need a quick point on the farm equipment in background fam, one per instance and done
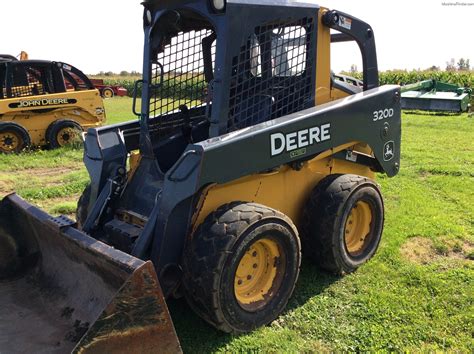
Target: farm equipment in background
(349, 79)
(45, 103)
(433, 95)
(242, 147)
(109, 91)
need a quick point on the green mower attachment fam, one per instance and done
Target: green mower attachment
(432, 95)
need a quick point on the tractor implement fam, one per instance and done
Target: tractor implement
(247, 154)
(433, 95)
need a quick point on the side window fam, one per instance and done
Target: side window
(346, 61)
(72, 80)
(255, 56)
(182, 70)
(289, 51)
(29, 80)
(271, 74)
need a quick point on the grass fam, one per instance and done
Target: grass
(416, 294)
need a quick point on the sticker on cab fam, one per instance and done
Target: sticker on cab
(345, 22)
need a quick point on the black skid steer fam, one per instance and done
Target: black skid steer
(246, 153)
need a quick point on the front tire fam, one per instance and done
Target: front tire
(241, 266)
(63, 132)
(343, 222)
(13, 138)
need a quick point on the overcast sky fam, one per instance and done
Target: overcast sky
(106, 35)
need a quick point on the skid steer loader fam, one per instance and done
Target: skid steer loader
(45, 103)
(245, 154)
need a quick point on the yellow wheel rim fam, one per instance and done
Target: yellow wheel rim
(108, 94)
(257, 274)
(357, 228)
(10, 141)
(67, 135)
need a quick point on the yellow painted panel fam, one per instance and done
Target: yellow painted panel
(285, 189)
(323, 61)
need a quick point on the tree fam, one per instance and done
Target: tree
(463, 64)
(433, 68)
(450, 65)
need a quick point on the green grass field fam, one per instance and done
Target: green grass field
(417, 294)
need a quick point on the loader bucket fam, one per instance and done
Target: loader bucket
(62, 291)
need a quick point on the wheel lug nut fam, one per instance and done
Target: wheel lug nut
(255, 265)
(249, 277)
(254, 254)
(239, 282)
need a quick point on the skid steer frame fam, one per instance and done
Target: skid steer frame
(244, 110)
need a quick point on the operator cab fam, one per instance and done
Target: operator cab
(207, 75)
(23, 78)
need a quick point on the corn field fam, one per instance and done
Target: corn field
(460, 78)
(401, 77)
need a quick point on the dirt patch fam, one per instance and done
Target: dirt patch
(33, 178)
(43, 172)
(6, 187)
(418, 250)
(422, 250)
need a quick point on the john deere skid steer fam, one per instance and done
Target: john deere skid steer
(245, 154)
(45, 103)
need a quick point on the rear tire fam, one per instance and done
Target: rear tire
(241, 266)
(343, 223)
(13, 138)
(63, 132)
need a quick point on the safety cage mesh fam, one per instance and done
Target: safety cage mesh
(178, 73)
(27, 80)
(272, 75)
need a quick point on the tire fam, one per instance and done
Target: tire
(107, 92)
(223, 285)
(63, 132)
(342, 223)
(82, 210)
(13, 138)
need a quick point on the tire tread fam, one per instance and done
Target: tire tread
(215, 238)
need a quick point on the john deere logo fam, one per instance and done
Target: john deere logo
(42, 102)
(388, 149)
(297, 140)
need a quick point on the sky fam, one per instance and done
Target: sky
(107, 35)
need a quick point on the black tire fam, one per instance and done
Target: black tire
(59, 133)
(331, 235)
(82, 210)
(218, 249)
(13, 138)
(107, 93)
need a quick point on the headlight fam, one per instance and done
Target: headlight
(148, 16)
(218, 5)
